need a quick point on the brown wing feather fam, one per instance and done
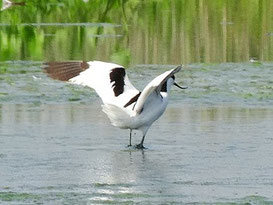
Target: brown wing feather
(65, 70)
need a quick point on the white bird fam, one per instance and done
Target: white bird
(126, 107)
(8, 3)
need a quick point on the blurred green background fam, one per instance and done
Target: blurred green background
(138, 31)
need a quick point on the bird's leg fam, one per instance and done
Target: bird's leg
(140, 145)
(130, 141)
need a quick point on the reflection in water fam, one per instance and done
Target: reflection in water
(156, 32)
(69, 114)
(72, 149)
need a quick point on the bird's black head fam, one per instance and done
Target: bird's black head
(164, 86)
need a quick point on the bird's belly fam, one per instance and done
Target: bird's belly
(148, 116)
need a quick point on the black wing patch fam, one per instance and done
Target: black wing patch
(65, 70)
(133, 99)
(164, 86)
(117, 78)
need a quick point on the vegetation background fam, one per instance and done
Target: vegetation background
(136, 31)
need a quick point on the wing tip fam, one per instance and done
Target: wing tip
(65, 70)
(178, 68)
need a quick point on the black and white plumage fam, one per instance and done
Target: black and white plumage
(8, 3)
(126, 107)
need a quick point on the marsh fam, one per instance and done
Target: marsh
(212, 145)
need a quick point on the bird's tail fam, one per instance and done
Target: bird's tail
(118, 116)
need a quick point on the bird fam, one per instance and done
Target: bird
(8, 3)
(125, 106)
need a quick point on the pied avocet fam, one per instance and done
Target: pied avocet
(126, 107)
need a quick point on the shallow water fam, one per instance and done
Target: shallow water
(70, 154)
(213, 145)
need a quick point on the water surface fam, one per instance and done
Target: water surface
(70, 154)
(213, 145)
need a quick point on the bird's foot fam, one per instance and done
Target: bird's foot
(129, 145)
(140, 146)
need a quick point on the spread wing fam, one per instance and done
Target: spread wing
(109, 80)
(154, 87)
